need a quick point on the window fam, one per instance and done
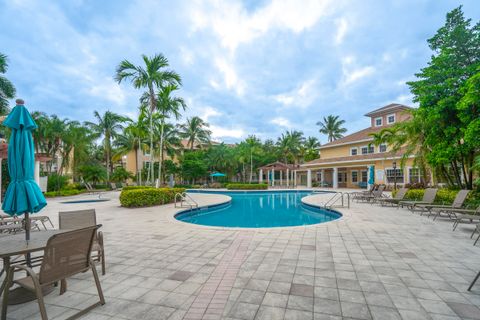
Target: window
(393, 175)
(413, 175)
(382, 148)
(378, 122)
(391, 118)
(364, 176)
(368, 149)
(354, 176)
(353, 151)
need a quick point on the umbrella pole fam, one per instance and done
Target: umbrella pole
(27, 236)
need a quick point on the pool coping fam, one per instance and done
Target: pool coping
(229, 200)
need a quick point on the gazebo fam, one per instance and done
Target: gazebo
(286, 172)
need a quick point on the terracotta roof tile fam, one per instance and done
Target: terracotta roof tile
(359, 135)
(371, 156)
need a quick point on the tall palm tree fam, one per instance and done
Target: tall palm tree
(254, 144)
(108, 125)
(311, 146)
(195, 130)
(152, 76)
(7, 90)
(290, 144)
(171, 145)
(332, 127)
(167, 106)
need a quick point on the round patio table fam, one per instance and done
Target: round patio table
(14, 245)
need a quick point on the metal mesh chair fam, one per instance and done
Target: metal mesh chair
(65, 255)
(80, 219)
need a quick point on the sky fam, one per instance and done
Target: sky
(247, 67)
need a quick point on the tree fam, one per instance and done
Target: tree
(120, 174)
(167, 106)
(193, 165)
(311, 145)
(152, 77)
(290, 144)
(440, 89)
(93, 173)
(7, 89)
(195, 130)
(332, 127)
(108, 126)
(134, 138)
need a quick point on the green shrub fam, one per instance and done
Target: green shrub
(136, 187)
(246, 186)
(56, 182)
(62, 193)
(146, 197)
(444, 195)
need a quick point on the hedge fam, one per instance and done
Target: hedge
(136, 187)
(62, 193)
(444, 196)
(147, 197)
(246, 186)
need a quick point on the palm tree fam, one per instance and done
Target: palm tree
(133, 138)
(254, 145)
(167, 106)
(171, 145)
(332, 127)
(152, 76)
(195, 131)
(7, 90)
(290, 144)
(108, 125)
(311, 146)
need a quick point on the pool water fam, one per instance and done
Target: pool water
(260, 210)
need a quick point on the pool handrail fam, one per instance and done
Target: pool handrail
(184, 197)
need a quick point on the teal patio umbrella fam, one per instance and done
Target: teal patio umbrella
(217, 174)
(371, 175)
(23, 195)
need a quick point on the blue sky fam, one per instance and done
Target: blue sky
(248, 67)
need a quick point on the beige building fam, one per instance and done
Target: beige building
(345, 163)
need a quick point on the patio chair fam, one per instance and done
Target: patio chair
(465, 216)
(113, 186)
(92, 191)
(15, 224)
(81, 219)
(372, 196)
(33, 218)
(65, 255)
(439, 209)
(428, 198)
(399, 196)
(477, 229)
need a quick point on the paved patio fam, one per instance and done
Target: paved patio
(375, 263)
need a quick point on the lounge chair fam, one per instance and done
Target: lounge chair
(33, 218)
(91, 190)
(81, 219)
(465, 216)
(477, 229)
(373, 196)
(15, 224)
(439, 209)
(113, 186)
(65, 255)
(399, 196)
(428, 198)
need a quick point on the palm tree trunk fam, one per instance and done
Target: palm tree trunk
(139, 178)
(107, 153)
(152, 108)
(251, 166)
(161, 155)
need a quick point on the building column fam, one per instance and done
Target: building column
(37, 172)
(281, 177)
(288, 172)
(323, 177)
(309, 178)
(260, 176)
(335, 178)
(273, 177)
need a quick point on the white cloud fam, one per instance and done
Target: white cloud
(353, 73)
(221, 132)
(282, 122)
(230, 78)
(405, 99)
(303, 96)
(342, 29)
(234, 25)
(209, 112)
(107, 89)
(187, 56)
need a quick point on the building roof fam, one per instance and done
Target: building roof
(357, 158)
(362, 135)
(388, 108)
(278, 166)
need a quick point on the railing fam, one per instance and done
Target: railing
(338, 196)
(184, 198)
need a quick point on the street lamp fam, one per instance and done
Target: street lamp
(394, 175)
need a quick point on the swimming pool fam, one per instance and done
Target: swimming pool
(263, 209)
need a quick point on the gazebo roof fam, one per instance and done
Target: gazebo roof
(278, 166)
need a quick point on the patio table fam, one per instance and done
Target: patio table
(14, 245)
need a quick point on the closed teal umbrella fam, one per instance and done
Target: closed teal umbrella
(23, 195)
(371, 178)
